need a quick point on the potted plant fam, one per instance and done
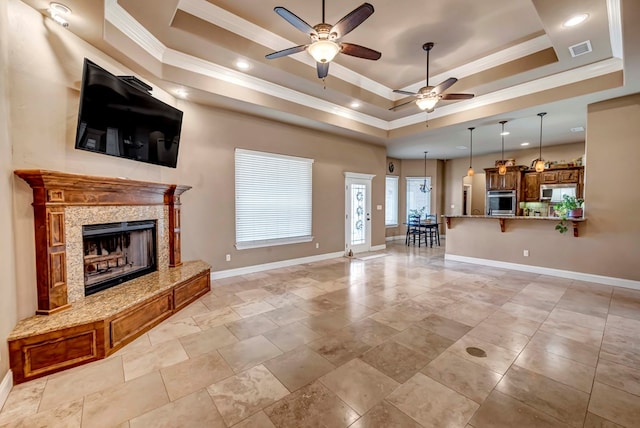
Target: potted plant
(570, 207)
(417, 212)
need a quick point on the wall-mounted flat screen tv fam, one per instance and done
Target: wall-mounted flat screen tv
(119, 119)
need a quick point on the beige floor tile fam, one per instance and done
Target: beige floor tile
(525, 311)
(249, 327)
(433, 300)
(140, 343)
(339, 347)
(395, 360)
(586, 302)
(553, 398)
(195, 308)
(67, 415)
(291, 336)
(626, 325)
(74, 384)
(429, 344)
(444, 327)
(298, 367)
(564, 347)
(248, 353)
(318, 305)
(216, 317)
(444, 407)
(308, 292)
(618, 346)
(500, 336)
(257, 420)
(169, 330)
(207, 341)
(501, 411)
(286, 315)
(469, 379)
(312, 406)
(615, 405)
(563, 370)
(194, 410)
(359, 385)
(589, 321)
(572, 331)
(369, 331)
(132, 399)
(384, 414)
(216, 302)
(498, 359)
(148, 360)
(595, 421)
(397, 318)
(250, 309)
(625, 303)
(619, 376)
(253, 295)
(325, 323)
(194, 374)
(246, 393)
(468, 312)
(285, 299)
(23, 400)
(353, 311)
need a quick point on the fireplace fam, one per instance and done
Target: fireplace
(117, 252)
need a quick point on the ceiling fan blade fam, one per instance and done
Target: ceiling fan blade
(444, 85)
(354, 18)
(286, 52)
(323, 69)
(294, 20)
(402, 105)
(359, 51)
(456, 96)
(400, 91)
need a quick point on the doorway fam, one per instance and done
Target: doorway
(357, 212)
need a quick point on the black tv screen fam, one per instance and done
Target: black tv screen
(119, 119)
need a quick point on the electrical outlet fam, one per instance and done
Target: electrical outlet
(317, 245)
(525, 253)
(228, 257)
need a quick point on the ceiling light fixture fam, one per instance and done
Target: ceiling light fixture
(539, 162)
(181, 93)
(242, 64)
(526, 143)
(323, 50)
(502, 167)
(426, 103)
(423, 186)
(58, 12)
(575, 20)
(355, 104)
(470, 170)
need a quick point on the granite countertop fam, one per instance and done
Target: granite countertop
(512, 217)
(109, 302)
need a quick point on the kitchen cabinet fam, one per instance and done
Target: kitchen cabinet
(569, 176)
(531, 184)
(549, 177)
(509, 181)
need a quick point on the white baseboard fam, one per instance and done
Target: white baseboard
(5, 387)
(379, 247)
(274, 265)
(395, 238)
(580, 276)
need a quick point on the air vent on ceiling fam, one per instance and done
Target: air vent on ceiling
(577, 129)
(580, 48)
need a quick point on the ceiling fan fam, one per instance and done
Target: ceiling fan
(325, 38)
(428, 96)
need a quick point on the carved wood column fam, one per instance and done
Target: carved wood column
(172, 200)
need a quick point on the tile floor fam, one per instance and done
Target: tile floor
(380, 342)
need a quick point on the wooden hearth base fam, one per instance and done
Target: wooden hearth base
(104, 322)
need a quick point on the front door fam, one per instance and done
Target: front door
(358, 212)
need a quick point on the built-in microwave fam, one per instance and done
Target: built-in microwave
(555, 192)
(501, 202)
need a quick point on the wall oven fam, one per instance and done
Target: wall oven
(501, 202)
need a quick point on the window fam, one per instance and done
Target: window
(273, 199)
(391, 201)
(416, 199)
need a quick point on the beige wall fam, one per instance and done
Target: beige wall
(8, 317)
(456, 170)
(609, 242)
(45, 73)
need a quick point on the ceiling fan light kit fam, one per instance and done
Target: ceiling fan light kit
(325, 38)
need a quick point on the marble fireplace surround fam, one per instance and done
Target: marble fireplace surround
(64, 202)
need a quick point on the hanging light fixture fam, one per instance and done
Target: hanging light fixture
(470, 171)
(540, 162)
(423, 186)
(502, 167)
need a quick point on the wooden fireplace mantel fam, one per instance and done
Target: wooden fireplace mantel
(54, 191)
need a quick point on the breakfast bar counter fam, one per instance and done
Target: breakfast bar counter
(502, 219)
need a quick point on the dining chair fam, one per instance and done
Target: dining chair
(432, 230)
(415, 229)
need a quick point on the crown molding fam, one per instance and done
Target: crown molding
(126, 23)
(614, 15)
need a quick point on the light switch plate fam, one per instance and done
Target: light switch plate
(379, 207)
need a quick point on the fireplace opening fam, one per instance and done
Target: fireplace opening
(117, 252)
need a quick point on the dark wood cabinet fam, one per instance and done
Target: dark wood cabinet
(531, 184)
(569, 176)
(509, 181)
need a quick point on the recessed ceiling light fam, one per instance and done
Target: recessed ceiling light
(525, 143)
(575, 20)
(505, 133)
(58, 11)
(577, 129)
(355, 104)
(181, 93)
(461, 147)
(242, 64)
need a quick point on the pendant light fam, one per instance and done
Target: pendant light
(540, 162)
(502, 167)
(470, 171)
(423, 186)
